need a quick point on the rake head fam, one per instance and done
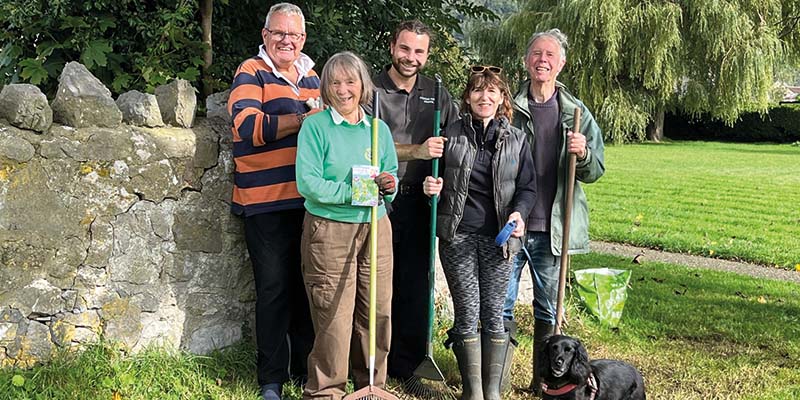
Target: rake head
(421, 388)
(428, 370)
(370, 393)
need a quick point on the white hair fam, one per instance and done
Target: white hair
(554, 34)
(285, 9)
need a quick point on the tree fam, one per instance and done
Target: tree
(206, 17)
(631, 60)
(132, 44)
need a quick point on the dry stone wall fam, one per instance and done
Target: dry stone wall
(123, 232)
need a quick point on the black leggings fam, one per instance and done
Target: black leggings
(477, 274)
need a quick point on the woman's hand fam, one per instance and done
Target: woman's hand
(519, 231)
(432, 187)
(386, 183)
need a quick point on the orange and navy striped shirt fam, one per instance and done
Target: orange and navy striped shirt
(264, 178)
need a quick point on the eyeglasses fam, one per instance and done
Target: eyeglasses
(479, 69)
(279, 35)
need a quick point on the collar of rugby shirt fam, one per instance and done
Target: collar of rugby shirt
(303, 63)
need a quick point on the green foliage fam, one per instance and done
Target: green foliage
(104, 371)
(130, 44)
(780, 125)
(699, 56)
(728, 200)
(127, 44)
(332, 28)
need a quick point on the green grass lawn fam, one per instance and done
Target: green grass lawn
(694, 334)
(735, 201)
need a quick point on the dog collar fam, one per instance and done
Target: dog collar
(559, 391)
(591, 381)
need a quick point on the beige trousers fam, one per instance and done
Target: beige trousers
(335, 257)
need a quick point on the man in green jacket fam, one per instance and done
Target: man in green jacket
(544, 109)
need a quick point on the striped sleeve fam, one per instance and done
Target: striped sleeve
(245, 104)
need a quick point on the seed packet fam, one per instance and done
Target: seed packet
(365, 190)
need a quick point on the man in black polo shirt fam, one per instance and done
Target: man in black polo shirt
(407, 107)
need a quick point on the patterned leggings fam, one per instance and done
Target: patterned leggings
(477, 275)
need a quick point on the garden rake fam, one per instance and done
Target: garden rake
(428, 382)
(568, 198)
(372, 392)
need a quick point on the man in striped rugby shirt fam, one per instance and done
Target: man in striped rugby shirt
(271, 95)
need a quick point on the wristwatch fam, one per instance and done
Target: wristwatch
(300, 118)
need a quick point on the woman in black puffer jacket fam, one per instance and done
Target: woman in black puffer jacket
(488, 180)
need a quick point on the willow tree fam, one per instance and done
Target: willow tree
(631, 60)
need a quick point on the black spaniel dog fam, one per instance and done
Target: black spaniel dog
(567, 374)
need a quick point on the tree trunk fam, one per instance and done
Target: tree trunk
(206, 11)
(655, 130)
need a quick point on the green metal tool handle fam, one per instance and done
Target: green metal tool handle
(437, 115)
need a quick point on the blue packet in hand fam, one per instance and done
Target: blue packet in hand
(505, 233)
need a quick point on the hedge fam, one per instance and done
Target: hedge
(780, 125)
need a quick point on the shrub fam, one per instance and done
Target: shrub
(781, 125)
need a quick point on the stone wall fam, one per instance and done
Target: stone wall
(114, 225)
(115, 230)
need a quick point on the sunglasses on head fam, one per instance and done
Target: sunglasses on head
(477, 69)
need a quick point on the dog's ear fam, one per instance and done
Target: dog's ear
(543, 359)
(580, 367)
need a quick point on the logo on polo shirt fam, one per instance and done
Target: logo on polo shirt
(427, 100)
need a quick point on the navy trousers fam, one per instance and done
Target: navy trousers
(284, 332)
(410, 216)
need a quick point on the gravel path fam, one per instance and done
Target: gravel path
(758, 271)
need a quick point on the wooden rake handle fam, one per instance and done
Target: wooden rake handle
(568, 198)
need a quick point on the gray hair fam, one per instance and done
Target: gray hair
(285, 9)
(350, 65)
(554, 34)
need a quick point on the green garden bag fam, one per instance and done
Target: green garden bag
(603, 292)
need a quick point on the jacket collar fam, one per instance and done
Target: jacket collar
(521, 97)
(502, 127)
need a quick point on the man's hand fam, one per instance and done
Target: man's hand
(431, 148)
(577, 144)
(386, 183)
(432, 187)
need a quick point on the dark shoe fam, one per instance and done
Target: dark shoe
(511, 328)
(271, 391)
(493, 356)
(541, 331)
(467, 349)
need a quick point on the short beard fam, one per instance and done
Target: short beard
(399, 70)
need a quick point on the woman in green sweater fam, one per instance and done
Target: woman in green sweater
(335, 241)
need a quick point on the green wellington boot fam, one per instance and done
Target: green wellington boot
(467, 349)
(541, 331)
(511, 328)
(493, 356)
